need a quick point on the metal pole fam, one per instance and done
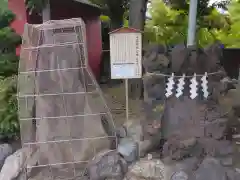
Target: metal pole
(192, 22)
(127, 108)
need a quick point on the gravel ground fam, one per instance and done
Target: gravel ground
(116, 101)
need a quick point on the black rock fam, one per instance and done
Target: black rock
(210, 169)
(232, 174)
(107, 165)
(5, 151)
(156, 59)
(128, 148)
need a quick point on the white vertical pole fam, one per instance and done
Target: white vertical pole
(127, 105)
(192, 15)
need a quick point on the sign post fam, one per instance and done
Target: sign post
(126, 56)
(127, 102)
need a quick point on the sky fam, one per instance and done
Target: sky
(220, 10)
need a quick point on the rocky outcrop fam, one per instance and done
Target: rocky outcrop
(146, 169)
(183, 117)
(14, 165)
(5, 151)
(107, 165)
(196, 143)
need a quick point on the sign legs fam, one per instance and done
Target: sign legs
(127, 100)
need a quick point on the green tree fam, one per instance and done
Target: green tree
(231, 36)
(9, 40)
(172, 29)
(168, 30)
(204, 6)
(9, 124)
(115, 10)
(36, 5)
(204, 10)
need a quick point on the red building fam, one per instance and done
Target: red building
(65, 9)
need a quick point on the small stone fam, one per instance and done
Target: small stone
(232, 174)
(128, 149)
(144, 146)
(180, 175)
(21, 176)
(189, 142)
(107, 165)
(153, 128)
(121, 132)
(134, 131)
(226, 161)
(5, 151)
(215, 147)
(178, 149)
(14, 164)
(155, 58)
(210, 169)
(237, 170)
(146, 169)
(149, 144)
(225, 148)
(186, 166)
(150, 157)
(215, 130)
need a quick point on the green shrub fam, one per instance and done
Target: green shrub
(9, 40)
(9, 125)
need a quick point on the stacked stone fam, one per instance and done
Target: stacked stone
(199, 151)
(207, 120)
(155, 60)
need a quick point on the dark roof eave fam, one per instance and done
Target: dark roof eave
(88, 3)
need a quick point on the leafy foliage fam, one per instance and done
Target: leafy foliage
(204, 6)
(112, 7)
(36, 5)
(116, 10)
(231, 36)
(165, 30)
(9, 40)
(9, 126)
(172, 29)
(5, 18)
(8, 60)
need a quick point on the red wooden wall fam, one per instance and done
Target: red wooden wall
(65, 9)
(94, 45)
(18, 8)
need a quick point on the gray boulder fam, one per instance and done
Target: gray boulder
(146, 169)
(13, 165)
(211, 168)
(180, 170)
(107, 165)
(5, 151)
(128, 149)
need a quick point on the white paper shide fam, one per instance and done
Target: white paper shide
(170, 84)
(204, 86)
(180, 86)
(193, 85)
